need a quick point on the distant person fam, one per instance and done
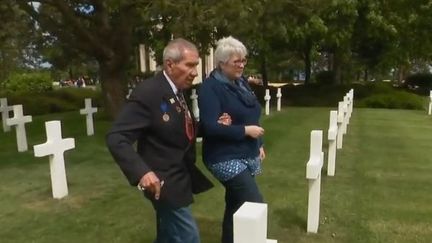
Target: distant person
(233, 153)
(157, 117)
(80, 82)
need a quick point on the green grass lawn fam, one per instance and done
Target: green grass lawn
(381, 191)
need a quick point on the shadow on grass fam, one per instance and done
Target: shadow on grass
(289, 218)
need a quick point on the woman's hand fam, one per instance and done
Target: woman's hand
(262, 154)
(254, 131)
(225, 119)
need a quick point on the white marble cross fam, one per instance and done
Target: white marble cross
(209, 60)
(313, 174)
(332, 134)
(88, 111)
(351, 105)
(430, 103)
(267, 98)
(279, 96)
(340, 120)
(346, 114)
(142, 58)
(4, 110)
(250, 223)
(19, 120)
(55, 147)
(195, 108)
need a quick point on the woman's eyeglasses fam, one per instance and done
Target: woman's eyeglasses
(237, 63)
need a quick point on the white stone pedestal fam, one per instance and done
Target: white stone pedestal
(54, 148)
(250, 223)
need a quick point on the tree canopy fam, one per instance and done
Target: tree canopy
(349, 37)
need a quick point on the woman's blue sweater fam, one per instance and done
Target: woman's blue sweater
(222, 142)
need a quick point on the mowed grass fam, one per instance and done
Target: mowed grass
(381, 191)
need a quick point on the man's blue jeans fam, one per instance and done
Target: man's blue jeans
(242, 188)
(175, 225)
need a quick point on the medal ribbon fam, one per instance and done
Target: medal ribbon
(188, 119)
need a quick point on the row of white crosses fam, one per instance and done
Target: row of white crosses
(55, 145)
(267, 97)
(339, 121)
(430, 104)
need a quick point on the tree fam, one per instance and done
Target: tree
(16, 40)
(339, 17)
(101, 30)
(308, 31)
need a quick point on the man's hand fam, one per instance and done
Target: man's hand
(254, 131)
(225, 119)
(151, 183)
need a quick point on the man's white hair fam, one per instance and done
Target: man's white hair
(226, 47)
(175, 49)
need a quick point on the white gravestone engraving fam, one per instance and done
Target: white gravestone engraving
(430, 104)
(340, 119)
(313, 174)
(4, 109)
(250, 223)
(55, 147)
(88, 111)
(279, 96)
(332, 134)
(19, 120)
(267, 98)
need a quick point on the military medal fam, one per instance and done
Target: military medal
(165, 117)
(178, 109)
(164, 109)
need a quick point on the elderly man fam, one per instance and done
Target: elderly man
(157, 117)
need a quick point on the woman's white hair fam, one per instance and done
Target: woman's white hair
(226, 47)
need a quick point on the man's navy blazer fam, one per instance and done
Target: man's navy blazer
(149, 135)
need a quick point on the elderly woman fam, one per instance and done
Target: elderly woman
(232, 152)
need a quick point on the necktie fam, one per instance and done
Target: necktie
(188, 119)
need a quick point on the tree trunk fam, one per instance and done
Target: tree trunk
(402, 72)
(308, 65)
(337, 67)
(264, 72)
(113, 89)
(366, 75)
